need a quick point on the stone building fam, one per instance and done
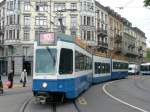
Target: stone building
(22, 21)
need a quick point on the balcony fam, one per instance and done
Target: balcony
(140, 55)
(140, 48)
(1, 43)
(132, 46)
(131, 53)
(1, 30)
(117, 49)
(101, 32)
(12, 42)
(118, 38)
(102, 46)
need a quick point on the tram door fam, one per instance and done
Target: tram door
(27, 66)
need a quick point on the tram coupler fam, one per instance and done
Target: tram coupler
(41, 99)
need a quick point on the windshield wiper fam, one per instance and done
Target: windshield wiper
(53, 57)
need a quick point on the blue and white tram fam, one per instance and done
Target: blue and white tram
(61, 69)
(145, 68)
(119, 69)
(101, 69)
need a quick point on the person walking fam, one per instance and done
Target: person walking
(1, 85)
(10, 78)
(23, 78)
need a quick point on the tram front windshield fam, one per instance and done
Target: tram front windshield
(46, 60)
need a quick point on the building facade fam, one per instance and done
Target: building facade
(3, 62)
(99, 27)
(25, 20)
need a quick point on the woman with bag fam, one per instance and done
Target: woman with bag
(23, 78)
(10, 79)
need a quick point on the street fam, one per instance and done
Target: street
(134, 91)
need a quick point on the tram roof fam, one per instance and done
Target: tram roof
(64, 37)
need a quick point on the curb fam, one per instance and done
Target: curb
(16, 86)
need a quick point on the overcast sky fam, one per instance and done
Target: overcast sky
(134, 11)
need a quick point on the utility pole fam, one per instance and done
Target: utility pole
(50, 14)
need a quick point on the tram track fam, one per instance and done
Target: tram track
(25, 104)
(53, 106)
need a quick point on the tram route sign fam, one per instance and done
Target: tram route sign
(47, 39)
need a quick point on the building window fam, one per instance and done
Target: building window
(84, 5)
(18, 20)
(88, 21)
(41, 6)
(84, 20)
(73, 21)
(88, 6)
(26, 51)
(59, 6)
(88, 35)
(73, 33)
(27, 7)
(92, 21)
(11, 19)
(74, 6)
(17, 34)
(10, 34)
(26, 35)
(26, 20)
(14, 34)
(81, 5)
(10, 5)
(41, 21)
(84, 35)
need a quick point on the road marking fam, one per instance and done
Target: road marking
(82, 101)
(121, 101)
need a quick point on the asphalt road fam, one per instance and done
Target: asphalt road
(129, 95)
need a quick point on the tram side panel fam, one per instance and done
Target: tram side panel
(82, 69)
(101, 69)
(119, 69)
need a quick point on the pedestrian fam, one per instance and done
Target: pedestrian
(10, 78)
(1, 85)
(23, 78)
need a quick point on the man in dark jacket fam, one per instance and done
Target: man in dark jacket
(10, 78)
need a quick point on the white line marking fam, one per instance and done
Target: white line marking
(121, 101)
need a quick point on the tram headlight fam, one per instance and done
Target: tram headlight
(44, 85)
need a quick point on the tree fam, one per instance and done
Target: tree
(146, 3)
(148, 55)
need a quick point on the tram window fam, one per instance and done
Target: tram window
(103, 68)
(115, 65)
(45, 60)
(107, 68)
(82, 62)
(66, 61)
(97, 67)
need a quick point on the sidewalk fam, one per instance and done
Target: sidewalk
(16, 83)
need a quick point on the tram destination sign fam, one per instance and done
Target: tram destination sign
(47, 39)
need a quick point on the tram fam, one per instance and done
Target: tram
(145, 68)
(64, 68)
